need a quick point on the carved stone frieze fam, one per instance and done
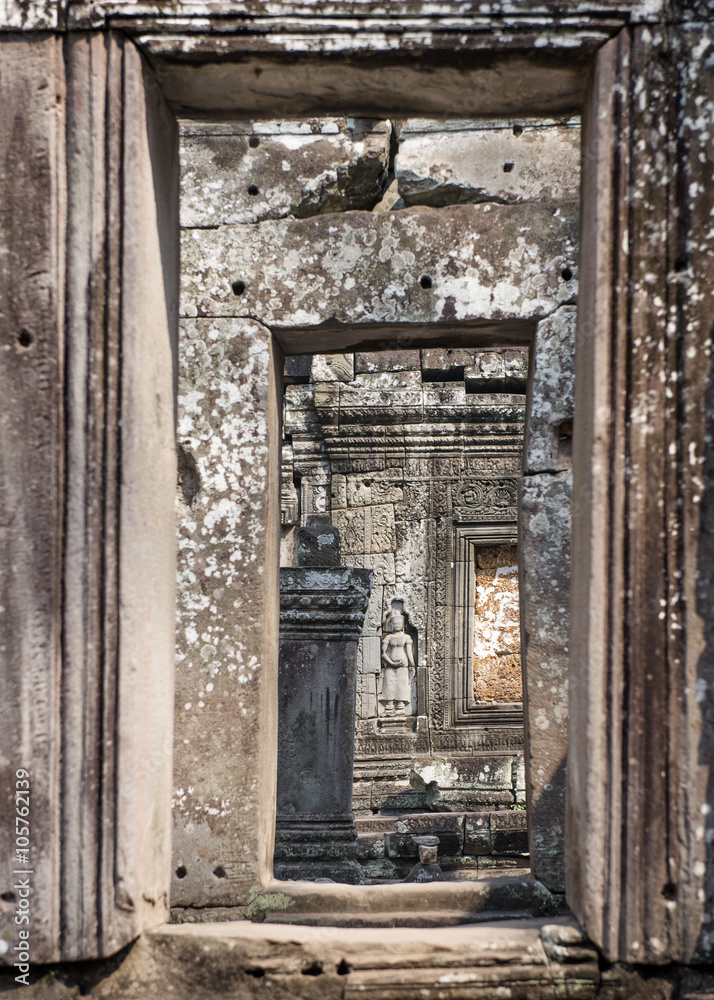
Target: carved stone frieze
(470, 741)
(366, 529)
(338, 493)
(487, 499)
(497, 465)
(415, 504)
(440, 495)
(381, 563)
(404, 743)
(412, 551)
(352, 525)
(380, 488)
(439, 679)
(442, 576)
(367, 463)
(314, 495)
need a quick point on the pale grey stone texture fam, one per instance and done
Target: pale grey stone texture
(544, 543)
(248, 172)
(485, 161)
(548, 431)
(226, 624)
(485, 262)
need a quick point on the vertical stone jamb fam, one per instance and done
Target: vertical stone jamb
(545, 496)
(119, 535)
(228, 612)
(32, 270)
(147, 485)
(95, 463)
(593, 816)
(639, 865)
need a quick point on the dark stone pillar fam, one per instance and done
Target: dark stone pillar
(321, 614)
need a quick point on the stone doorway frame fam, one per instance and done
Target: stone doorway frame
(625, 541)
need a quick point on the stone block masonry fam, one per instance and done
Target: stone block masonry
(244, 172)
(93, 152)
(399, 446)
(443, 163)
(502, 263)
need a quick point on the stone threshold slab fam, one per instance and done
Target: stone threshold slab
(394, 904)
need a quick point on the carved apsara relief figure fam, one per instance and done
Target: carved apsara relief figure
(397, 664)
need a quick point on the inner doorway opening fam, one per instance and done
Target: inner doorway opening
(414, 456)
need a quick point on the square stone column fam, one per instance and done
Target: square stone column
(322, 610)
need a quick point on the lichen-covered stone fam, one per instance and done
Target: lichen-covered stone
(547, 445)
(247, 172)
(471, 262)
(442, 163)
(544, 533)
(227, 560)
(332, 368)
(387, 361)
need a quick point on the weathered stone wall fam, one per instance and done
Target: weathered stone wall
(318, 233)
(544, 535)
(225, 751)
(641, 676)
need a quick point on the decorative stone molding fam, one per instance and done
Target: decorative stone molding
(329, 603)
(488, 499)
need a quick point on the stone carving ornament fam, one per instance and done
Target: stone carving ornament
(489, 498)
(397, 664)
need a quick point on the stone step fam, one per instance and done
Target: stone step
(537, 959)
(473, 900)
(402, 918)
